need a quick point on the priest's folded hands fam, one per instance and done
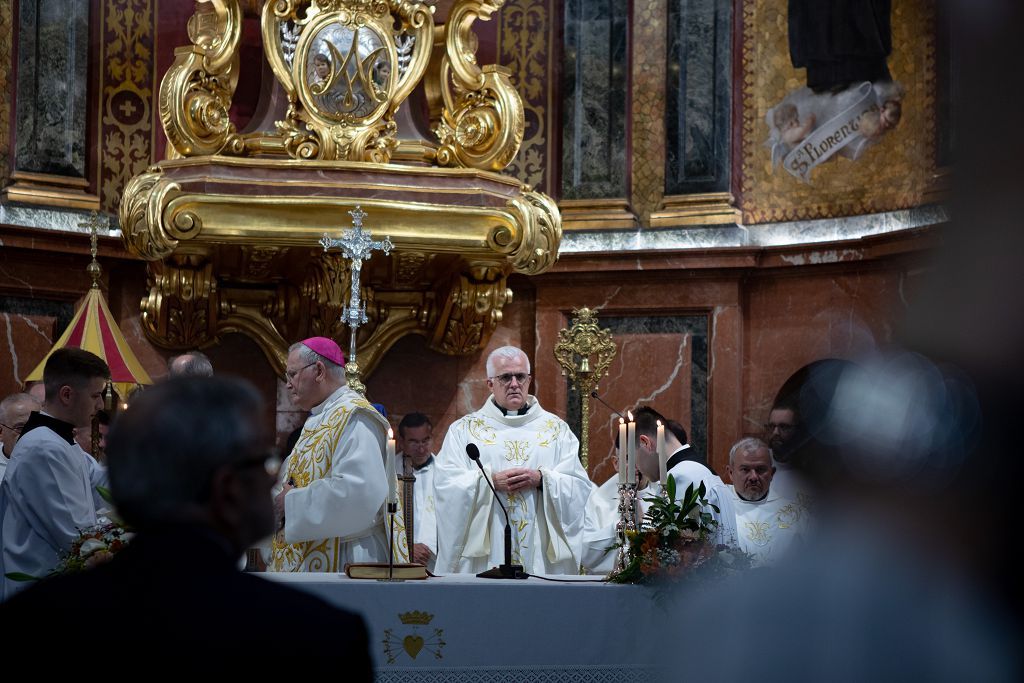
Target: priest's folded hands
(517, 479)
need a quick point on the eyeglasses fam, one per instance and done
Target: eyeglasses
(14, 428)
(291, 374)
(782, 427)
(506, 379)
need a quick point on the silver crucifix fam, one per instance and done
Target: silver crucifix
(356, 245)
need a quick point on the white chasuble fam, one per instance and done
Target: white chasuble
(764, 528)
(335, 514)
(547, 524)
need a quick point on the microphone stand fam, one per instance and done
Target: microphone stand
(507, 570)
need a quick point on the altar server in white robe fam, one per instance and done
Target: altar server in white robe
(415, 438)
(682, 464)
(533, 459)
(331, 491)
(46, 498)
(763, 523)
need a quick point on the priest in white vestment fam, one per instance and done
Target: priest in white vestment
(416, 461)
(762, 522)
(330, 495)
(533, 460)
(46, 497)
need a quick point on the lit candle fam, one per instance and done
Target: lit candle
(622, 451)
(631, 453)
(389, 469)
(662, 456)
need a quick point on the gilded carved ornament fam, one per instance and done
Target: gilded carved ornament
(481, 123)
(231, 220)
(196, 92)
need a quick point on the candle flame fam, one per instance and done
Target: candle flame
(622, 421)
(630, 414)
(659, 423)
(391, 433)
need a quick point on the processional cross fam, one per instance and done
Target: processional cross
(356, 246)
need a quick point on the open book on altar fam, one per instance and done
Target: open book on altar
(380, 570)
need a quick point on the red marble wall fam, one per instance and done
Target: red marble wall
(768, 312)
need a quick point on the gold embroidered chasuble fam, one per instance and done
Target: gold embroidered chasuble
(335, 514)
(547, 524)
(765, 528)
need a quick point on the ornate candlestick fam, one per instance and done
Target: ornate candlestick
(627, 522)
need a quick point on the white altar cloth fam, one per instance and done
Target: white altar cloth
(461, 628)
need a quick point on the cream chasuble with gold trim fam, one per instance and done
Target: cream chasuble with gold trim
(547, 524)
(334, 516)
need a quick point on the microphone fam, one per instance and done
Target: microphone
(614, 412)
(507, 570)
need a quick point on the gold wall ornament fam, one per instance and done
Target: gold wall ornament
(481, 123)
(346, 70)
(585, 351)
(196, 92)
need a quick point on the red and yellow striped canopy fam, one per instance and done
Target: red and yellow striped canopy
(94, 329)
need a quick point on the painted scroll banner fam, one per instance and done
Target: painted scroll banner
(854, 119)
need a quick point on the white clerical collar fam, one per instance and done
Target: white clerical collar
(317, 409)
(513, 419)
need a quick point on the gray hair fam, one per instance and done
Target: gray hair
(164, 451)
(192, 364)
(747, 445)
(509, 352)
(15, 401)
(307, 355)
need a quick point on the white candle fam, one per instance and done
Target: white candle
(631, 453)
(389, 469)
(662, 456)
(622, 451)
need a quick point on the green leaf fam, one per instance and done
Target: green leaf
(20, 576)
(105, 494)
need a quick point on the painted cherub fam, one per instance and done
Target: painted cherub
(786, 119)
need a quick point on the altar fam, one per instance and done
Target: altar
(461, 628)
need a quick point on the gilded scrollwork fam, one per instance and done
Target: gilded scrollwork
(482, 121)
(536, 250)
(196, 93)
(141, 215)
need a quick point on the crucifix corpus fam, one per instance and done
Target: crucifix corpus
(356, 245)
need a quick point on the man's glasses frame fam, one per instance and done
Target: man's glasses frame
(506, 379)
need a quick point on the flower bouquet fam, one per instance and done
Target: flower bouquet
(95, 545)
(677, 541)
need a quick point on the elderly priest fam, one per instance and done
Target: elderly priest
(330, 494)
(532, 458)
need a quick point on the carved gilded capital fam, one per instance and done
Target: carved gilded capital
(482, 121)
(180, 310)
(196, 92)
(469, 315)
